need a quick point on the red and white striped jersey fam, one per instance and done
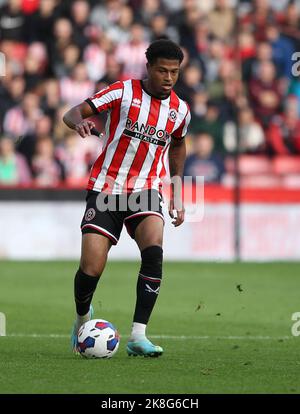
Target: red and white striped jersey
(138, 133)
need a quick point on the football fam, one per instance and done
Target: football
(98, 338)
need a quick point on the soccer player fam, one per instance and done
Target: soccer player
(145, 119)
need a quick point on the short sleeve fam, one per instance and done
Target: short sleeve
(107, 98)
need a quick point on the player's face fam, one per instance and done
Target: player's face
(162, 76)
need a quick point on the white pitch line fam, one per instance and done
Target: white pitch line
(221, 337)
(182, 337)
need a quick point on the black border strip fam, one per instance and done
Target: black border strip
(47, 194)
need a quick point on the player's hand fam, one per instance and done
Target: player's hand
(84, 128)
(178, 217)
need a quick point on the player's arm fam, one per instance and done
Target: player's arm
(75, 119)
(177, 156)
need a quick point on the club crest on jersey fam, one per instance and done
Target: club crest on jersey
(90, 214)
(172, 115)
(136, 102)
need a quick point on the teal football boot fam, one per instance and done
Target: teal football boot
(144, 348)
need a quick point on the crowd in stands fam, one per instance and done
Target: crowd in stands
(240, 76)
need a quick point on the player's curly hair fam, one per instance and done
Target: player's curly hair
(163, 48)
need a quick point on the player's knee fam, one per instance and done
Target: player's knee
(90, 268)
(152, 258)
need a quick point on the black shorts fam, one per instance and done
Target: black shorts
(106, 213)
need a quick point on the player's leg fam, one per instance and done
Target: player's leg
(149, 238)
(94, 251)
(101, 228)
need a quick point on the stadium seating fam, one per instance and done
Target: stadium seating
(262, 171)
(283, 165)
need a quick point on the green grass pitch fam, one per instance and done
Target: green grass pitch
(225, 328)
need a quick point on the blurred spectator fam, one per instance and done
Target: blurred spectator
(120, 32)
(135, 67)
(290, 24)
(252, 137)
(149, 9)
(13, 167)
(206, 6)
(20, 119)
(12, 21)
(250, 66)
(42, 22)
(11, 95)
(213, 58)
(77, 87)
(47, 169)
(284, 132)
(189, 82)
(80, 11)
(251, 134)
(248, 52)
(77, 156)
(186, 21)
(257, 18)
(34, 65)
(63, 37)
(202, 37)
(95, 58)
(42, 129)
(227, 74)
(265, 93)
(246, 43)
(160, 29)
(50, 97)
(211, 125)
(205, 162)
(232, 99)
(59, 52)
(60, 129)
(106, 14)
(113, 72)
(294, 90)
(172, 6)
(221, 19)
(199, 104)
(279, 5)
(282, 50)
(70, 58)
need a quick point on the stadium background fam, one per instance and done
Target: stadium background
(225, 327)
(237, 77)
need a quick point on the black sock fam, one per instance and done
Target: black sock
(84, 288)
(148, 283)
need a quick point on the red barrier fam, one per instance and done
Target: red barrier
(212, 193)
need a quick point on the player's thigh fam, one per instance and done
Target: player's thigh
(149, 232)
(94, 251)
